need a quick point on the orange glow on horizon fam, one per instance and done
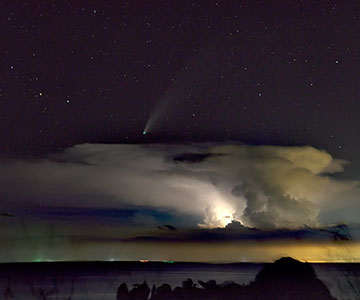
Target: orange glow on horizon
(257, 252)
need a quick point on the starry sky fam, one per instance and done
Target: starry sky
(78, 80)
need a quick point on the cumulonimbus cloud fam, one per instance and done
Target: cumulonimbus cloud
(259, 186)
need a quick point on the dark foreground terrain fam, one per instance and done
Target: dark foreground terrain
(286, 278)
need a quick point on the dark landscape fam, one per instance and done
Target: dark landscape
(286, 278)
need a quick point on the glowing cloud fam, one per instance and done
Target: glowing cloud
(260, 186)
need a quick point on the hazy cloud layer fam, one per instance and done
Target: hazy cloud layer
(259, 186)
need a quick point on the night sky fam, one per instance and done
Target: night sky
(254, 81)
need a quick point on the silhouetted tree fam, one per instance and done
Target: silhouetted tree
(140, 292)
(122, 292)
(288, 278)
(163, 292)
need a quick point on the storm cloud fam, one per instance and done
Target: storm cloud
(266, 187)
